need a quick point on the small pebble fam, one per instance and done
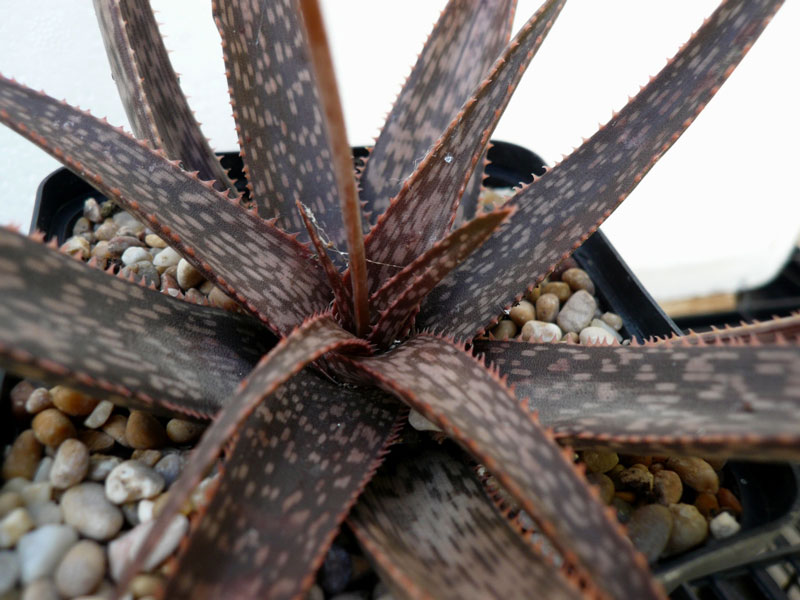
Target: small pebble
(9, 571)
(9, 501)
(41, 550)
(71, 464)
(547, 308)
(689, 528)
(170, 467)
(571, 337)
(604, 484)
(72, 402)
(613, 320)
(723, 526)
(504, 330)
(695, 472)
(639, 480)
(131, 480)
(38, 401)
(37, 493)
(667, 487)
(650, 529)
(420, 423)
(146, 457)
(19, 396)
(146, 584)
(81, 570)
(99, 415)
(541, 331)
(124, 219)
(623, 508)
(47, 513)
(91, 211)
(135, 254)
(115, 427)
(100, 465)
(106, 232)
(119, 243)
(41, 589)
(52, 427)
(578, 311)
(144, 431)
(188, 276)
(559, 289)
(13, 526)
(23, 456)
(77, 246)
(578, 279)
(152, 240)
(124, 548)
(707, 504)
(96, 441)
(144, 511)
(729, 502)
(522, 312)
(220, 299)
(87, 509)
(600, 324)
(184, 432)
(166, 258)
(596, 336)
(599, 461)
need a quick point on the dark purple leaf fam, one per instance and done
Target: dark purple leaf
(452, 389)
(310, 341)
(562, 208)
(297, 467)
(149, 88)
(727, 400)
(468, 37)
(283, 135)
(431, 531)
(64, 322)
(423, 211)
(400, 298)
(265, 270)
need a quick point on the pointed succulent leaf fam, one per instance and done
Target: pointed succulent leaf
(469, 403)
(402, 295)
(468, 205)
(430, 529)
(423, 210)
(314, 338)
(464, 43)
(248, 258)
(341, 160)
(342, 294)
(148, 86)
(562, 208)
(726, 400)
(767, 332)
(64, 322)
(281, 124)
(297, 467)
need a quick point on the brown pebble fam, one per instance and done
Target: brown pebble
(637, 478)
(564, 265)
(578, 279)
(707, 504)
(667, 486)
(115, 427)
(220, 299)
(727, 501)
(81, 570)
(146, 584)
(604, 484)
(24, 456)
(38, 400)
(650, 529)
(144, 431)
(52, 427)
(560, 289)
(146, 457)
(19, 396)
(71, 464)
(96, 441)
(695, 472)
(184, 432)
(547, 307)
(534, 294)
(72, 402)
(522, 312)
(504, 330)
(599, 461)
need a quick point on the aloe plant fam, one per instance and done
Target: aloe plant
(304, 426)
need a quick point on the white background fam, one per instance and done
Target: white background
(719, 212)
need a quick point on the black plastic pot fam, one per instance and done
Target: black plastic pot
(770, 493)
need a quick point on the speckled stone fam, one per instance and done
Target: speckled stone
(87, 509)
(41, 550)
(578, 311)
(23, 456)
(72, 402)
(81, 570)
(131, 480)
(144, 431)
(70, 465)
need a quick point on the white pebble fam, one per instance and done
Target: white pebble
(100, 465)
(132, 480)
(596, 336)
(81, 570)
(144, 511)
(71, 464)
(86, 508)
(166, 258)
(603, 325)
(41, 550)
(125, 547)
(9, 571)
(724, 525)
(38, 401)
(135, 254)
(420, 423)
(43, 470)
(13, 526)
(541, 331)
(99, 415)
(47, 513)
(37, 493)
(187, 275)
